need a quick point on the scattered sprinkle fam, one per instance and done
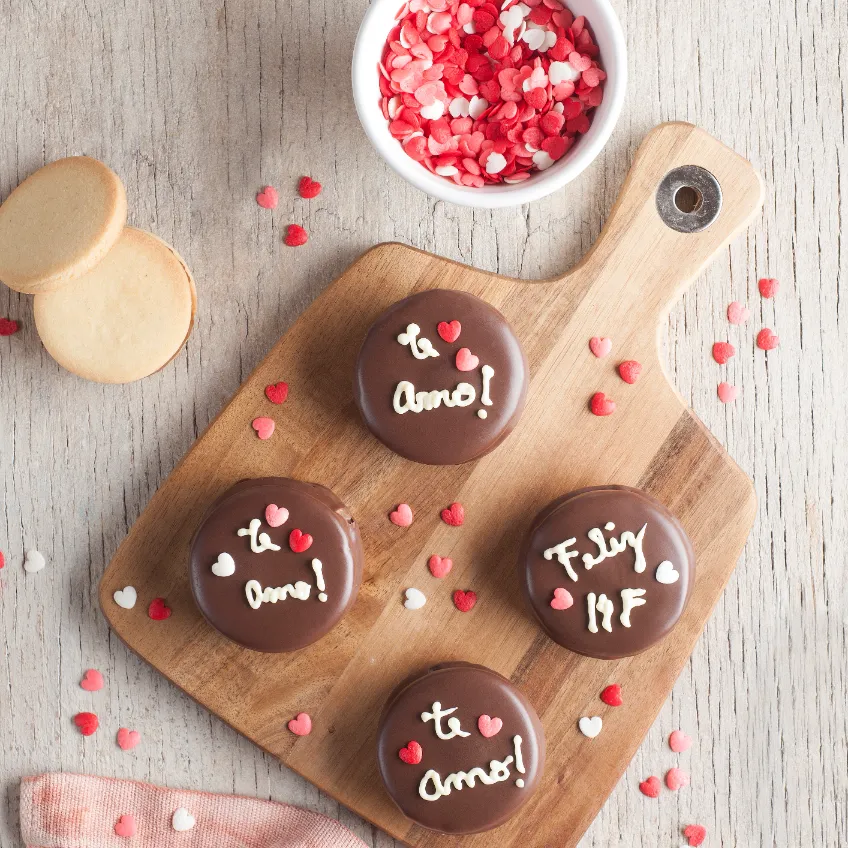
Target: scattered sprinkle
(264, 427)
(454, 515)
(590, 727)
(600, 346)
(125, 826)
(128, 739)
(34, 562)
(268, 198)
(299, 541)
(296, 236)
(2, 559)
(651, 787)
(727, 393)
(696, 834)
(301, 725)
(722, 351)
(769, 287)
(466, 360)
(679, 742)
(601, 405)
(611, 696)
(276, 516)
(489, 726)
(412, 753)
(415, 599)
(439, 566)
(464, 601)
(92, 680)
(630, 370)
(158, 610)
(562, 599)
(402, 516)
(126, 597)
(182, 820)
(766, 339)
(737, 313)
(277, 392)
(449, 330)
(8, 327)
(308, 188)
(87, 723)
(676, 778)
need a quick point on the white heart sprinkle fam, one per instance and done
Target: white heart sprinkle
(182, 820)
(534, 38)
(562, 72)
(495, 163)
(477, 106)
(415, 599)
(550, 40)
(590, 727)
(126, 597)
(666, 574)
(459, 107)
(542, 160)
(434, 111)
(224, 566)
(446, 170)
(470, 28)
(34, 562)
(393, 105)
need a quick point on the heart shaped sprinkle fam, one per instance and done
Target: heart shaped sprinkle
(449, 330)
(651, 787)
(182, 820)
(579, 62)
(268, 198)
(722, 351)
(602, 405)
(412, 753)
(611, 696)
(695, 833)
(489, 726)
(666, 573)
(402, 516)
(126, 597)
(276, 515)
(415, 599)
(727, 393)
(454, 515)
(87, 723)
(264, 427)
(301, 725)
(125, 826)
(308, 188)
(464, 601)
(299, 541)
(676, 778)
(600, 346)
(679, 742)
(34, 562)
(737, 313)
(766, 339)
(8, 327)
(158, 611)
(466, 360)
(296, 236)
(224, 566)
(128, 739)
(768, 286)
(440, 566)
(590, 727)
(277, 392)
(629, 370)
(92, 681)
(2, 559)
(562, 599)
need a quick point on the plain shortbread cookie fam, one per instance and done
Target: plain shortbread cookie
(126, 318)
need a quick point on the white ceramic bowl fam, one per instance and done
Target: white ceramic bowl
(379, 20)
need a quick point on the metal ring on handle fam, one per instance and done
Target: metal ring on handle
(708, 204)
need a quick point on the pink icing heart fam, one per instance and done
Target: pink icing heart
(562, 599)
(466, 360)
(268, 198)
(737, 313)
(679, 742)
(402, 516)
(578, 62)
(264, 427)
(600, 346)
(125, 826)
(302, 725)
(676, 779)
(489, 726)
(128, 739)
(440, 566)
(727, 393)
(92, 680)
(276, 515)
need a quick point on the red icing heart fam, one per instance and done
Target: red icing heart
(602, 405)
(651, 787)
(737, 313)
(722, 351)
(766, 339)
(301, 725)
(679, 742)
(600, 346)
(629, 370)
(264, 427)
(454, 515)
(768, 286)
(611, 696)
(158, 611)
(87, 723)
(676, 778)
(466, 360)
(402, 516)
(464, 601)
(440, 566)
(489, 726)
(277, 392)
(296, 236)
(562, 599)
(695, 833)
(299, 541)
(128, 739)
(92, 681)
(2, 559)
(449, 331)
(412, 753)
(8, 327)
(268, 198)
(308, 188)
(125, 826)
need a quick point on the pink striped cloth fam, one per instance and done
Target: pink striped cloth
(77, 811)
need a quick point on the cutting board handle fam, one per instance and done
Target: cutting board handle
(640, 264)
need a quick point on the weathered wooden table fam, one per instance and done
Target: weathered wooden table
(199, 105)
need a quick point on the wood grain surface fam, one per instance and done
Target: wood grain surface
(199, 105)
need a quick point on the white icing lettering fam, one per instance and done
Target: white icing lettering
(420, 347)
(258, 541)
(591, 599)
(616, 546)
(488, 372)
(406, 399)
(564, 556)
(519, 760)
(436, 717)
(256, 595)
(606, 609)
(630, 598)
(498, 773)
(318, 568)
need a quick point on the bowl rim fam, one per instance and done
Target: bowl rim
(495, 196)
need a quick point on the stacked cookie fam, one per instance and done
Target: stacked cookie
(112, 303)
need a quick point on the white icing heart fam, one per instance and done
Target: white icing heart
(126, 597)
(182, 820)
(415, 599)
(34, 562)
(666, 574)
(225, 566)
(590, 727)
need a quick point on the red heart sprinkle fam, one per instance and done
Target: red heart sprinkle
(8, 327)
(308, 188)
(600, 346)
(766, 339)
(629, 371)
(125, 826)
(301, 725)
(695, 833)
(277, 392)
(679, 742)
(651, 787)
(264, 427)
(402, 516)
(92, 681)
(562, 599)
(737, 313)
(676, 778)
(128, 739)
(268, 198)
(464, 601)
(454, 515)
(722, 351)
(611, 696)
(87, 723)
(158, 611)
(449, 331)
(299, 542)
(768, 286)
(466, 360)
(602, 405)
(727, 393)
(2, 559)
(412, 753)
(440, 566)
(296, 236)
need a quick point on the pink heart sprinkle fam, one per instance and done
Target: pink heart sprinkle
(402, 516)
(727, 393)
(676, 778)
(737, 313)
(264, 427)
(92, 680)
(489, 726)
(268, 198)
(302, 725)
(440, 566)
(767, 339)
(276, 515)
(466, 360)
(128, 739)
(600, 346)
(562, 599)
(125, 826)
(679, 742)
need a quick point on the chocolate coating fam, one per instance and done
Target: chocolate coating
(290, 623)
(474, 690)
(572, 517)
(444, 435)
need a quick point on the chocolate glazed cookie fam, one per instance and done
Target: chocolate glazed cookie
(441, 378)
(276, 563)
(607, 571)
(460, 749)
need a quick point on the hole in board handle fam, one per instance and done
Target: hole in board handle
(689, 199)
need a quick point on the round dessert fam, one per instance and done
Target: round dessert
(607, 570)
(460, 748)
(276, 563)
(441, 378)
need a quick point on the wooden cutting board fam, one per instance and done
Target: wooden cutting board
(622, 289)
